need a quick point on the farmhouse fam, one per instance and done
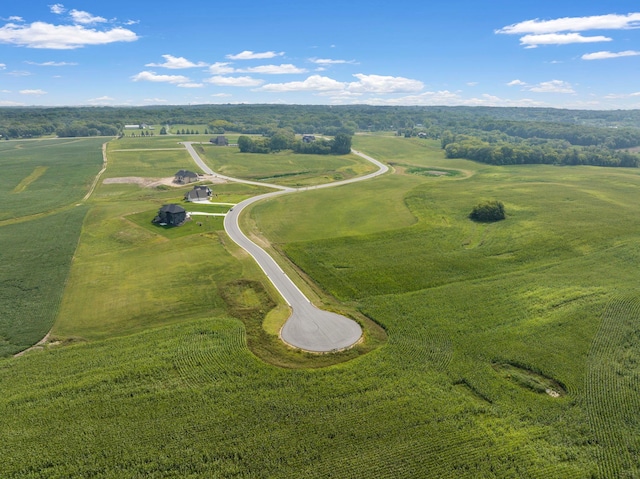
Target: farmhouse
(220, 141)
(198, 193)
(185, 176)
(171, 214)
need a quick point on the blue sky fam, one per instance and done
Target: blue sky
(565, 54)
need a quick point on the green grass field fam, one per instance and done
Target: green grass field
(155, 376)
(284, 168)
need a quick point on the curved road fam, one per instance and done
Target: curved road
(308, 327)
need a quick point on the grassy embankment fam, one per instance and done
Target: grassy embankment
(547, 295)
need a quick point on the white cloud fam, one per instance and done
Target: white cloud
(275, 69)
(61, 37)
(249, 55)
(384, 84)
(532, 41)
(221, 95)
(365, 84)
(103, 100)
(3, 66)
(574, 24)
(190, 85)
(154, 100)
(52, 64)
(221, 68)
(33, 92)
(312, 83)
(328, 61)
(85, 18)
(606, 55)
(553, 86)
(153, 77)
(57, 8)
(176, 63)
(10, 103)
(14, 18)
(448, 98)
(234, 81)
(19, 73)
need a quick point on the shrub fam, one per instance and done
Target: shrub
(488, 211)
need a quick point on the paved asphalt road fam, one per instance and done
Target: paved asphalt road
(308, 327)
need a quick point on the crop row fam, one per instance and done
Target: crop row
(612, 379)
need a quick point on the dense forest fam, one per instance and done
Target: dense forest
(486, 134)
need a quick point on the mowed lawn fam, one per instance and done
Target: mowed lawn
(477, 316)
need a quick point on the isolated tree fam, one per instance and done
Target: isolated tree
(245, 144)
(488, 211)
(163, 131)
(341, 144)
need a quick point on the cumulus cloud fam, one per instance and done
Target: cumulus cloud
(249, 55)
(553, 86)
(312, 83)
(176, 63)
(221, 68)
(606, 55)
(3, 66)
(275, 69)
(384, 84)
(57, 8)
(532, 41)
(61, 37)
(190, 85)
(574, 24)
(103, 100)
(234, 81)
(33, 92)
(85, 18)
(365, 84)
(153, 77)
(328, 61)
(10, 103)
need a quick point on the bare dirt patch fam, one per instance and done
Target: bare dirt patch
(153, 182)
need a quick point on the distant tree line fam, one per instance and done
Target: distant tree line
(487, 134)
(535, 151)
(286, 140)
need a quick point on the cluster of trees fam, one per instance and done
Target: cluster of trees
(535, 151)
(286, 140)
(488, 211)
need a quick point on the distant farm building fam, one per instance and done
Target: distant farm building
(131, 127)
(220, 141)
(171, 215)
(198, 193)
(185, 176)
(308, 138)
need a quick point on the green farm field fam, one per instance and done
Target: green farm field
(512, 347)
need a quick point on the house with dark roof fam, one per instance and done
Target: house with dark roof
(171, 215)
(198, 193)
(185, 176)
(308, 138)
(220, 141)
